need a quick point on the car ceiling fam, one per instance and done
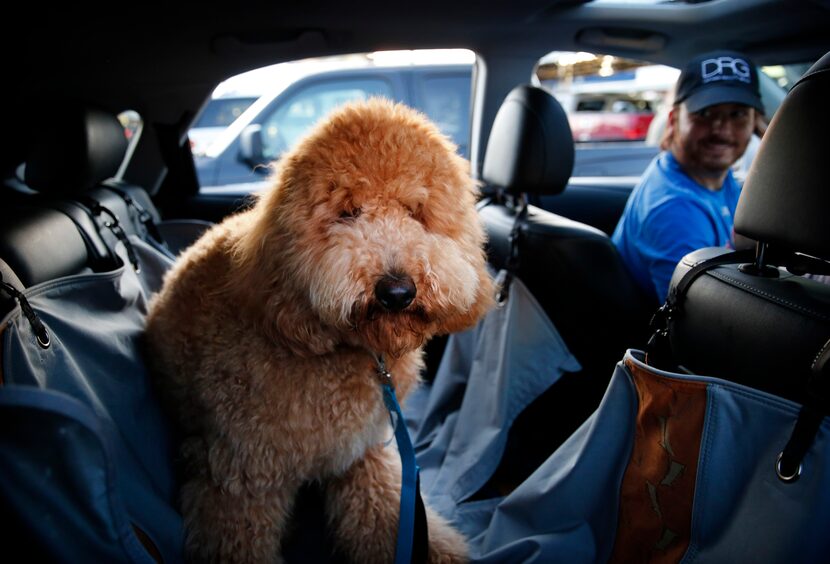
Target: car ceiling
(164, 60)
(120, 55)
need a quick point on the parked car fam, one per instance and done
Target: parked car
(278, 120)
(610, 118)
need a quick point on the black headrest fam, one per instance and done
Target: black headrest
(786, 196)
(531, 146)
(74, 150)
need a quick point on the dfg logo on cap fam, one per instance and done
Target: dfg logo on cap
(719, 77)
(725, 68)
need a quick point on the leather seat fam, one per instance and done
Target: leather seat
(572, 269)
(760, 323)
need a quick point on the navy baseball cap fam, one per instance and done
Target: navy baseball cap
(720, 77)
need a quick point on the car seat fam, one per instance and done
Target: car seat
(572, 269)
(86, 449)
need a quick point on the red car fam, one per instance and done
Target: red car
(610, 118)
(610, 126)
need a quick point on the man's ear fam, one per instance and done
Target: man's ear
(668, 133)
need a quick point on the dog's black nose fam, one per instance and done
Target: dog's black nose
(395, 292)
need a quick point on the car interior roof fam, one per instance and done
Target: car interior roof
(155, 51)
(164, 61)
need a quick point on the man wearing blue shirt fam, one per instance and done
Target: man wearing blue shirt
(686, 199)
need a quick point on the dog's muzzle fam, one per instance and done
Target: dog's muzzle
(395, 292)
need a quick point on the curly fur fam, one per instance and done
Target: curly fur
(264, 334)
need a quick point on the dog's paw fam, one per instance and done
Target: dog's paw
(446, 545)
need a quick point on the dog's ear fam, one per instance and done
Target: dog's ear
(484, 301)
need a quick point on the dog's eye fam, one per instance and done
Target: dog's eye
(353, 213)
(416, 214)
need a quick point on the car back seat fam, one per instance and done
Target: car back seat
(86, 453)
(85, 450)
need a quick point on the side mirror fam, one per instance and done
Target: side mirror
(250, 146)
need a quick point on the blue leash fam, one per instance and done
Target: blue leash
(409, 470)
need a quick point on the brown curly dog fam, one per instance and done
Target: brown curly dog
(265, 335)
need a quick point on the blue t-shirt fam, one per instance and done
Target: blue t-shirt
(669, 215)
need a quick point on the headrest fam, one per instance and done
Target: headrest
(786, 197)
(763, 332)
(531, 146)
(74, 150)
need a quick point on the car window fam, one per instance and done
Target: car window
(220, 112)
(611, 103)
(617, 107)
(590, 105)
(295, 95)
(285, 126)
(594, 89)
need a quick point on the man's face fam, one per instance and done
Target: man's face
(708, 142)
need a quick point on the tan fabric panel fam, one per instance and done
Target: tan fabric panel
(658, 487)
